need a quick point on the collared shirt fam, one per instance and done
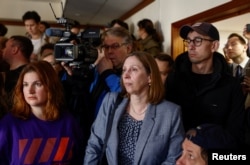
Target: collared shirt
(243, 65)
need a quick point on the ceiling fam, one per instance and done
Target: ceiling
(87, 12)
(98, 11)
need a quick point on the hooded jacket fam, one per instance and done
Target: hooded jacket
(150, 45)
(215, 98)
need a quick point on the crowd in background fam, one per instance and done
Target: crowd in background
(133, 104)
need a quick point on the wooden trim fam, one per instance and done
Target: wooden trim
(17, 22)
(138, 7)
(224, 11)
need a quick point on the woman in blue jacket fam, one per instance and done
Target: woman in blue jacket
(146, 129)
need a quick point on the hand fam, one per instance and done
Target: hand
(101, 55)
(68, 69)
(104, 64)
(246, 84)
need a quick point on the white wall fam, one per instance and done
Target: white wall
(15, 30)
(18, 8)
(164, 12)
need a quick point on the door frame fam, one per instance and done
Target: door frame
(224, 11)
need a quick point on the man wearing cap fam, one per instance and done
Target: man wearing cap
(202, 84)
(198, 142)
(192, 154)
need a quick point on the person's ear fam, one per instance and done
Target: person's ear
(149, 80)
(215, 46)
(129, 48)
(15, 49)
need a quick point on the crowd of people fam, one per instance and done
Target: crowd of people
(134, 104)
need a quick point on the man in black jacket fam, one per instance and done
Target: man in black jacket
(202, 84)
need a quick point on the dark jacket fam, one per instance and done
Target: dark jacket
(108, 81)
(243, 71)
(214, 98)
(150, 45)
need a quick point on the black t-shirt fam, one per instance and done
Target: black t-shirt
(11, 78)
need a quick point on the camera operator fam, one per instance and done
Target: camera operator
(117, 43)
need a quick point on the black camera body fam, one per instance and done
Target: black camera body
(80, 49)
(66, 52)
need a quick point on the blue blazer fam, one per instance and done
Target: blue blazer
(159, 141)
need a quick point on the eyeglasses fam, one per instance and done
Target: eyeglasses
(196, 41)
(113, 46)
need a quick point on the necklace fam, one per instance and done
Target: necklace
(141, 113)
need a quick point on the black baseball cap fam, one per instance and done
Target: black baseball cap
(208, 136)
(203, 28)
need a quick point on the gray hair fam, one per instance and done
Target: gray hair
(118, 32)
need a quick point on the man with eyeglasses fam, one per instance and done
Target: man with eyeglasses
(203, 86)
(117, 43)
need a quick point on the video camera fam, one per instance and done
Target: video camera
(79, 50)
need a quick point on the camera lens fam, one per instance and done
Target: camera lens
(68, 52)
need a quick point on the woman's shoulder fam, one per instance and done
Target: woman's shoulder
(112, 96)
(8, 117)
(168, 103)
(9, 120)
(169, 106)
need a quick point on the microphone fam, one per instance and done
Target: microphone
(54, 32)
